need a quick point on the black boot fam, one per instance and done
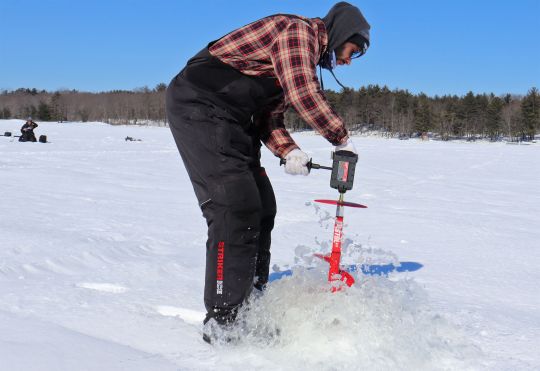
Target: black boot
(217, 326)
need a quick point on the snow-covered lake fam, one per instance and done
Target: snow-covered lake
(102, 257)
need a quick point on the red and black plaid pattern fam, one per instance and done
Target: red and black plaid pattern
(288, 48)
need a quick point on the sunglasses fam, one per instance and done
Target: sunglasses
(358, 53)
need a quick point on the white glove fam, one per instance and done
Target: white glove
(347, 146)
(296, 162)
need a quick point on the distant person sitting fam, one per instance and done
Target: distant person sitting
(27, 131)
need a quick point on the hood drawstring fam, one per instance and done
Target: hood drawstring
(320, 78)
(332, 72)
(340, 84)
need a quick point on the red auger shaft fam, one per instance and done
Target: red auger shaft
(335, 256)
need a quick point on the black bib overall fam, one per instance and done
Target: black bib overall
(210, 107)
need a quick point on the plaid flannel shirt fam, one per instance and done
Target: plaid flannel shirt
(287, 48)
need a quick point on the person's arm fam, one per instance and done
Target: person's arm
(294, 60)
(272, 130)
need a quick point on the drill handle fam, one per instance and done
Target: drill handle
(310, 165)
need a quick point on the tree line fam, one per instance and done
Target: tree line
(370, 108)
(137, 106)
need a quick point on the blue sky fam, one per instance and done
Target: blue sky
(435, 47)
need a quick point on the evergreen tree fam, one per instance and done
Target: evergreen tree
(494, 121)
(480, 119)
(56, 109)
(467, 114)
(346, 107)
(43, 112)
(5, 113)
(423, 117)
(530, 114)
(450, 121)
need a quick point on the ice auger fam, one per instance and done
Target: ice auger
(342, 178)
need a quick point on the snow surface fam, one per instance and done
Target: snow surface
(102, 258)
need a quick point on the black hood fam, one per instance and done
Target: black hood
(342, 22)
